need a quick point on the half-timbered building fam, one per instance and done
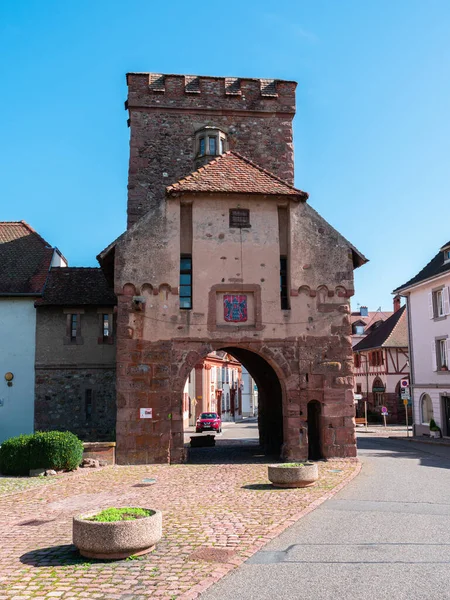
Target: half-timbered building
(381, 361)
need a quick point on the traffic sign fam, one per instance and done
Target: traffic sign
(406, 395)
(357, 396)
(404, 383)
(384, 410)
(405, 401)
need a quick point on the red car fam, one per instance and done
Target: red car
(208, 421)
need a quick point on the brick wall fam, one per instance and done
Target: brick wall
(166, 110)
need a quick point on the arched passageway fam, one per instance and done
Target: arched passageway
(270, 399)
(269, 424)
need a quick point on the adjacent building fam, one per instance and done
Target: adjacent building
(76, 354)
(381, 361)
(427, 296)
(25, 261)
(364, 322)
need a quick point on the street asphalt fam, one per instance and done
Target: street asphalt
(384, 536)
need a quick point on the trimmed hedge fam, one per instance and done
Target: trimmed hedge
(59, 450)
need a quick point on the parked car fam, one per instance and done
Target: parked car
(209, 421)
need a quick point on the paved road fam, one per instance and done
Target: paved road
(385, 536)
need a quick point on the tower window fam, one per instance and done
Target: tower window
(186, 281)
(210, 141)
(239, 217)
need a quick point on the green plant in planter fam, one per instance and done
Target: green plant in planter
(434, 426)
(110, 515)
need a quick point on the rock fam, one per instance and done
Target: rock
(50, 473)
(37, 472)
(89, 463)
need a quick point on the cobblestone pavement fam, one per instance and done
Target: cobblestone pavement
(12, 485)
(228, 508)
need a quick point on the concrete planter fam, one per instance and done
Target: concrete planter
(117, 539)
(301, 475)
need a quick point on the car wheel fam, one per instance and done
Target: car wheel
(198, 431)
(220, 430)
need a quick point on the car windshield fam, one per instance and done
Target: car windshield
(208, 416)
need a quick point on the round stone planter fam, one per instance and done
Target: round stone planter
(293, 476)
(117, 539)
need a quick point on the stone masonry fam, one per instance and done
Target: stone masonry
(166, 110)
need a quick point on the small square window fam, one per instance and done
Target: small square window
(239, 217)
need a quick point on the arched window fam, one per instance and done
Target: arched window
(426, 408)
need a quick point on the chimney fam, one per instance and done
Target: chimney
(363, 311)
(397, 301)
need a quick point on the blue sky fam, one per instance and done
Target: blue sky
(372, 130)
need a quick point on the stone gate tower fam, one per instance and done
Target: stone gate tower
(169, 114)
(223, 252)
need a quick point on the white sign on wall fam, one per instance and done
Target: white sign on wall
(145, 413)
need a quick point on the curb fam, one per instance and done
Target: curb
(202, 586)
(419, 441)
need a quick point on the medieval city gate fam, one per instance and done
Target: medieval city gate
(223, 252)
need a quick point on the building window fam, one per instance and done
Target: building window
(201, 147)
(284, 297)
(376, 358)
(426, 409)
(357, 361)
(438, 303)
(358, 329)
(88, 404)
(358, 388)
(239, 217)
(186, 281)
(442, 355)
(73, 326)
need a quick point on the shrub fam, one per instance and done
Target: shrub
(15, 455)
(42, 450)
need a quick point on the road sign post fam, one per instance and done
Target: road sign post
(384, 412)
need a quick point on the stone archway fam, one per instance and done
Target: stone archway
(270, 391)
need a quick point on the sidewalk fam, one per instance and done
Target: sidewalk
(214, 517)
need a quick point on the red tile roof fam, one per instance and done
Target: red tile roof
(233, 173)
(25, 259)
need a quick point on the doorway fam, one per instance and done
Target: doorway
(446, 411)
(314, 439)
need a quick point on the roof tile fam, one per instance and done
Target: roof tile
(233, 173)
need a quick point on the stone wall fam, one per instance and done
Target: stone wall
(60, 401)
(165, 114)
(152, 375)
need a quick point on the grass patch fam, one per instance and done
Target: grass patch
(283, 465)
(120, 514)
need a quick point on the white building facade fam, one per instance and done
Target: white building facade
(25, 261)
(428, 304)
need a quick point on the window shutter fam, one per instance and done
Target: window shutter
(433, 355)
(446, 301)
(447, 345)
(430, 305)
